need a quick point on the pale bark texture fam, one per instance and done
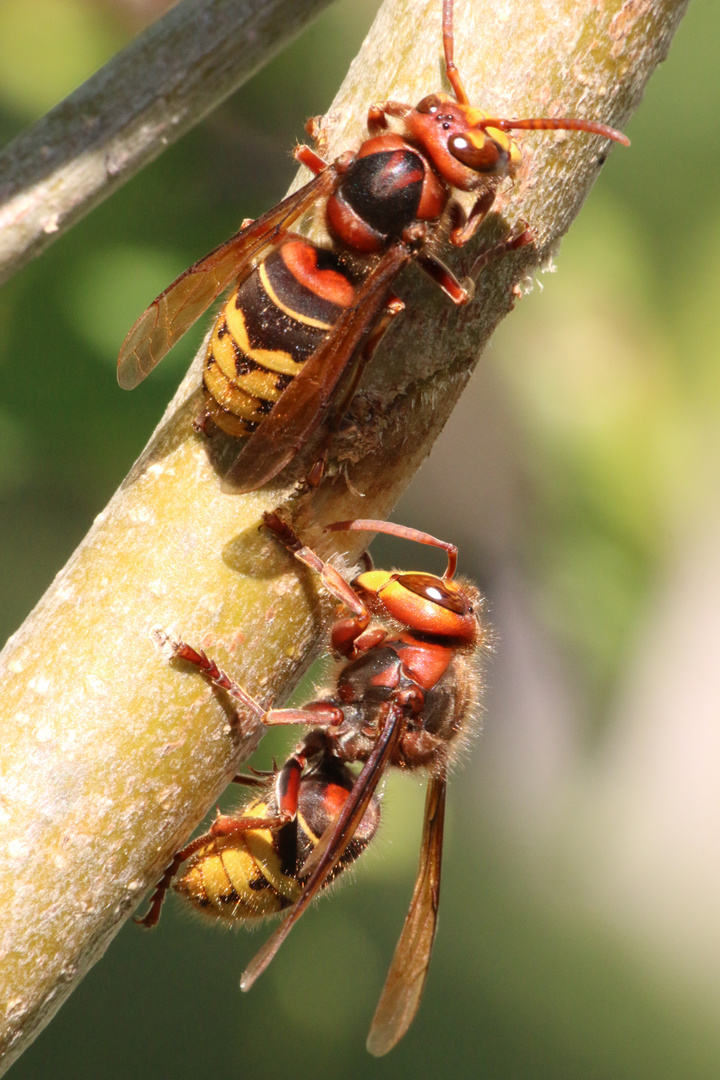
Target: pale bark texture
(110, 754)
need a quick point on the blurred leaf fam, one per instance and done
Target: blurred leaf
(108, 289)
(48, 47)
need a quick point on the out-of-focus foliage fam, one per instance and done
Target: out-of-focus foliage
(47, 47)
(579, 931)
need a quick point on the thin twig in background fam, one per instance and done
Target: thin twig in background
(150, 94)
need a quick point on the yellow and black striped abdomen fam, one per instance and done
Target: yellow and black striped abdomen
(274, 320)
(252, 874)
(244, 876)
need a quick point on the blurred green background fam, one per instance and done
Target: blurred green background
(580, 923)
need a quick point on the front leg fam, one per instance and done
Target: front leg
(305, 155)
(464, 226)
(460, 292)
(345, 633)
(377, 115)
(317, 131)
(332, 579)
(520, 237)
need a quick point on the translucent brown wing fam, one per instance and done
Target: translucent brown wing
(336, 839)
(304, 405)
(182, 303)
(405, 982)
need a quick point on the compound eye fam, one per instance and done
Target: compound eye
(429, 605)
(486, 156)
(429, 104)
(435, 590)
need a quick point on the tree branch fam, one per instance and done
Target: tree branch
(122, 118)
(111, 755)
